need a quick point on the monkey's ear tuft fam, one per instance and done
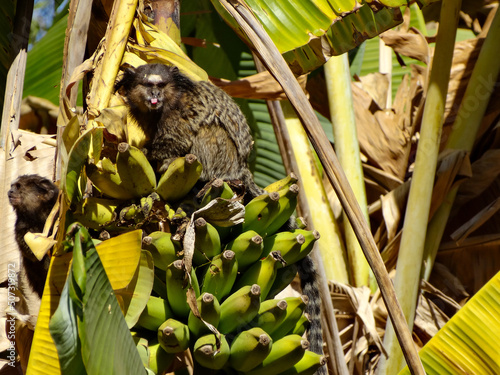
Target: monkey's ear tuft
(127, 79)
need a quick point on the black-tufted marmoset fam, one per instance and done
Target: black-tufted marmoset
(180, 116)
(32, 198)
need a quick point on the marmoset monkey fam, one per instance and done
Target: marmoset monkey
(32, 197)
(180, 116)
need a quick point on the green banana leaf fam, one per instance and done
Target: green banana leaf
(308, 32)
(44, 64)
(470, 342)
(88, 327)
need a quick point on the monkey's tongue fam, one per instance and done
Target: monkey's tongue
(154, 101)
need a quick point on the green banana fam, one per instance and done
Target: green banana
(239, 308)
(285, 353)
(287, 243)
(218, 188)
(221, 275)
(137, 175)
(247, 248)
(97, 213)
(260, 212)
(147, 203)
(207, 241)
(284, 276)
(287, 205)
(107, 180)
(173, 336)
(308, 365)
(209, 309)
(159, 360)
(249, 348)
(155, 313)
(163, 249)
(129, 212)
(301, 222)
(142, 347)
(205, 352)
(271, 313)
(177, 285)
(310, 237)
(282, 184)
(179, 178)
(301, 326)
(294, 311)
(262, 273)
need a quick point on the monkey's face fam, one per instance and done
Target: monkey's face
(153, 88)
(149, 93)
(30, 192)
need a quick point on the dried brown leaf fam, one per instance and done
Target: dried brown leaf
(411, 43)
(258, 86)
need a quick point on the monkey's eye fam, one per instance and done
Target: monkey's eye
(161, 85)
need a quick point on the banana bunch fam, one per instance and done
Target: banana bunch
(130, 190)
(220, 308)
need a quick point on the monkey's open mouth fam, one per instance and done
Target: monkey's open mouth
(154, 101)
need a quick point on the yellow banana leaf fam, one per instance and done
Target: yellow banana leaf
(120, 257)
(470, 342)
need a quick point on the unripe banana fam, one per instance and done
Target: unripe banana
(282, 184)
(294, 311)
(249, 348)
(301, 326)
(284, 276)
(308, 365)
(239, 308)
(300, 222)
(218, 188)
(159, 359)
(173, 336)
(107, 181)
(262, 273)
(285, 353)
(207, 241)
(209, 309)
(179, 178)
(135, 171)
(221, 275)
(206, 354)
(310, 237)
(287, 243)
(97, 213)
(260, 212)
(271, 313)
(247, 248)
(147, 203)
(157, 310)
(163, 249)
(177, 285)
(287, 205)
(129, 212)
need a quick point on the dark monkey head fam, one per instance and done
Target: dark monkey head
(33, 196)
(153, 89)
